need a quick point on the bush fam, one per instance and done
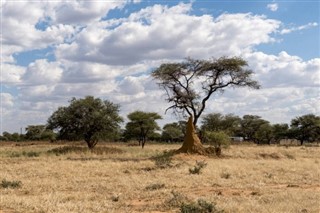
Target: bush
(198, 167)
(176, 200)
(225, 175)
(10, 184)
(201, 206)
(217, 140)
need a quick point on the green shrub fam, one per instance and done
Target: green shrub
(201, 206)
(218, 140)
(198, 167)
(10, 184)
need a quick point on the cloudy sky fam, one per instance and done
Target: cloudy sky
(52, 51)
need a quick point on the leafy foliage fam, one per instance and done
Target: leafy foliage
(90, 119)
(141, 125)
(229, 123)
(39, 132)
(6, 136)
(250, 124)
(265, 134)
(217, 140)
(172, 132)
(305, 128)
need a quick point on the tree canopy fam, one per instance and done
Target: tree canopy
(173, 132)
(39, 132)
(89, 119)
(305, 128)
(141, 125)
(250, 124)
(229, 123)
(191, 83)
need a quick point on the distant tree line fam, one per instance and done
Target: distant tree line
(92, 119)
(188, 85)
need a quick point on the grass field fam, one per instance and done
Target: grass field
(119, 178)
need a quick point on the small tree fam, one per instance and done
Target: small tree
(172, 132)
(39, 132)
(6, 136)
(141, 125)
(280, 131)
(217, 140)
(249, 125)
(305, 128)
(89, 119)
(265, 134)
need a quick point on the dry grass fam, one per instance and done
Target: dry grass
(247, 179)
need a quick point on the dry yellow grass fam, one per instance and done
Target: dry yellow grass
(246, 179)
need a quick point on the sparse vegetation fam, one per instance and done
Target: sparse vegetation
(225, 175)
(176, 200)
(78, 149)
(10, 184)
(155, 186)
(163, 160)
(198, 167)
(136, 180)
(218, 140)
(201, 206)
(24, 153)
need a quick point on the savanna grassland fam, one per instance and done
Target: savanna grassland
(42, 177)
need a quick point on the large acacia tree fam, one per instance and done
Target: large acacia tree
(190, 84)
(90, 119)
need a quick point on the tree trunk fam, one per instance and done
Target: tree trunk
(301, 142)
(91, 143)
(191, 143)
(88, 138)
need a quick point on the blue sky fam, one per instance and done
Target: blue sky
(58, 50)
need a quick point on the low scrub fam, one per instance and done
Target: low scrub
(10, 184)
(78, 149)
(163, 160)
(201, 206)
(25, 154)
(225, 175)
(155, 186)
(270, 156)
(175, 200)
(198, 167)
